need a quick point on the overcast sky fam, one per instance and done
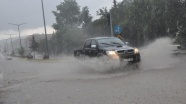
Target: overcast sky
(30, 12)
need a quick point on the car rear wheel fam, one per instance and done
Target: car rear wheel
(79, 55)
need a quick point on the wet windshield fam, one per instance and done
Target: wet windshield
(110, 42)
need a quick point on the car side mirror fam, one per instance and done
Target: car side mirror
(127, 43)
(93, 46)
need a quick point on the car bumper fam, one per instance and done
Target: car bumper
(130, 57)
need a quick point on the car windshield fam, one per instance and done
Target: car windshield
(110, 42)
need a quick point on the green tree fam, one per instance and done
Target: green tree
(34, 45)
(146, 20)
(67, 15)
(74, 39)
(85, 17)
(86, 21)
(67, 19)
(21, 51)
(100, 26)
(142, 21)
(42, 46)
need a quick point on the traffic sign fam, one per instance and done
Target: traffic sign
(117, 29)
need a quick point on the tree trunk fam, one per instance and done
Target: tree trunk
(34, 55)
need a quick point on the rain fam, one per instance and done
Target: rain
(94, 52)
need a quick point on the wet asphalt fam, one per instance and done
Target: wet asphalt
(160, 78)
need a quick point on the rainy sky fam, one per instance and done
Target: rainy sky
(30, 12)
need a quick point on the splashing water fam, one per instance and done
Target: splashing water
(156, 55)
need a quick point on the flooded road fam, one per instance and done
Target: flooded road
(158, 79)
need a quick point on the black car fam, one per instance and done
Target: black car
(108, 46)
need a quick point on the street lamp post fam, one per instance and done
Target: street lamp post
(46, 56)
(18, 31)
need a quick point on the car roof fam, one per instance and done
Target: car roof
(97, 38)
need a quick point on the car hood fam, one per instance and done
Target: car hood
(114, 48)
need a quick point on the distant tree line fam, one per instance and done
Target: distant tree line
(141, 20)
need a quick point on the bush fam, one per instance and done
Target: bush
(21, 51)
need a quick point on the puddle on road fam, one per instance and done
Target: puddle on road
(156, 55)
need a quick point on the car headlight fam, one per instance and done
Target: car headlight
(112, 54)
(136, 51)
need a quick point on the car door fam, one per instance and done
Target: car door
(94, 48)
(87, 48)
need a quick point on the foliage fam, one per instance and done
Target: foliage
(142, 21)
(146, 20)
(85, 17)
(100, 26)
(86, 21)
(42, 46)
(34, 45)
(71, 27)
(67, 15)
(21, 51)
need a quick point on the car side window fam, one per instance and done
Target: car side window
(87, 44)
(93, 42)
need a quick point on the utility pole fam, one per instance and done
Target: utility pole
(116, 11)
(18, 31)
(115, 4)
(111, 28)
(46, 56)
